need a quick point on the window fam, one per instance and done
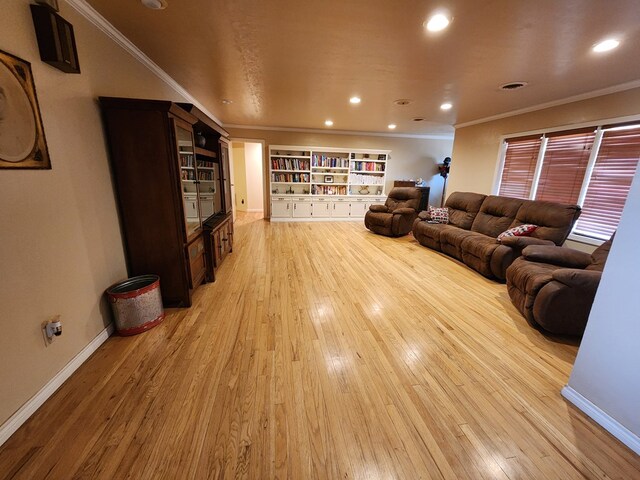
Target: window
(565, 163)
(520, 161)
(592, 167)
(610, 182)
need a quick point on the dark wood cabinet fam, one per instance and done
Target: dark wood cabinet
(218, 242)
(159, 192)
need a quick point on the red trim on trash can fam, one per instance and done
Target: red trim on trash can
(142, 328)
(136, 293)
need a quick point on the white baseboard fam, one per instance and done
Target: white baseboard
(602, 418)
(317, 219)
(22, 415)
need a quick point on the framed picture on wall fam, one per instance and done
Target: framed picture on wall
(22, 140)
(328, 179)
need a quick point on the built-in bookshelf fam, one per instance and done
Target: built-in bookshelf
(303, 179)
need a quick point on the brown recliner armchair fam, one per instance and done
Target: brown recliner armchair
(394, 218)
(554, 287)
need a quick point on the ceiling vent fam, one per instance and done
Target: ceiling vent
(418, 119)
(507, 87)
(402, 101)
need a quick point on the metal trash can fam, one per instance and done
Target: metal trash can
(136, 304)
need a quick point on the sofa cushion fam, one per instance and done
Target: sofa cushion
(463, 208)
(403, 197)
(428, 234)
(554, 220)
(599, 255)
(451, 240)
(477, 252)
(496, 215)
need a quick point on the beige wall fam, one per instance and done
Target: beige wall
(61, 243)
(410, 157)
(255, 178)
(239, 176)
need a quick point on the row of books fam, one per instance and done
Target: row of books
(188, 175)
(363, 179)
(206, 175)
(290, 177)
(186, 160)
(205, 163)
(289, 164)
(367, 166)
(330, 162)
(328, 190)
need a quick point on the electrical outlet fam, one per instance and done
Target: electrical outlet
(52, 328)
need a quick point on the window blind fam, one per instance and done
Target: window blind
(610, 182)
(519, 166)
(564, 166)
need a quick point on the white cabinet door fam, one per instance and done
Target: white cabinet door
(302, 209)
(281, 209)
(340, 209)
(358, 209)
(321, 209)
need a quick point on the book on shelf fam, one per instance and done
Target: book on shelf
(290, 177)
(358, 166)
(328, 190)
(186, 160)
(364, 179)
(319, 160)
(289, 164)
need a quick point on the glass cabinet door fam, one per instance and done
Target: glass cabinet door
(189, 179)
(207, 186)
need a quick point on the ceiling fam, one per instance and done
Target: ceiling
(293, 63)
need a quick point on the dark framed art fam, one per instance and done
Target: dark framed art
(22, 140)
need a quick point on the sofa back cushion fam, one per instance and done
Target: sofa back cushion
(554, 220)
(496, 215)
(463, 208)
(599, 256)
(403, 197)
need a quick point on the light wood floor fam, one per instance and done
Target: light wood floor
(324, 351)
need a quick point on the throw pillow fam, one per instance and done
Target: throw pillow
(523, 230)
(438, 215)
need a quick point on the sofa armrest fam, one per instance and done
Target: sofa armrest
(522, 242)
(560, 256)
(404, 211)
(378, 208)
(587, 280)
(424, 215)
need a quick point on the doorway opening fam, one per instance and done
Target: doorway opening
(247, 177)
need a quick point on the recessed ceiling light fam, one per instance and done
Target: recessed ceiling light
(446, 106)
(226, 101)
(402, 101)
(606, 45)
(437, 23)
(328, 123)
(392, 126)
(355, 100)
(155, 4)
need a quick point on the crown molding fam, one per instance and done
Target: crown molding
(343, 132)
(576, 98)
(92, 15)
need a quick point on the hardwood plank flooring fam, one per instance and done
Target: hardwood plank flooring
(324, 351)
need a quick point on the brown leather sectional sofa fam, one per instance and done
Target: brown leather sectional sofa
(475, 220)
(554, 287)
